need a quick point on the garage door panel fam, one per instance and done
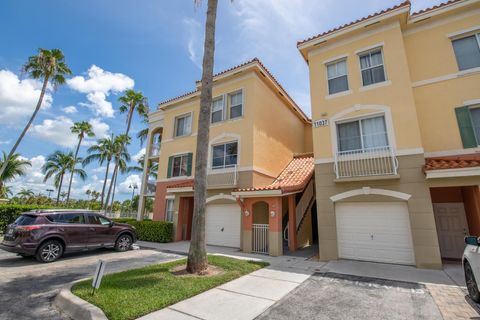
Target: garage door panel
(388, 223)
(222, 225)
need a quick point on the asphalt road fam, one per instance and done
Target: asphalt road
(27, 288)
(335, 296)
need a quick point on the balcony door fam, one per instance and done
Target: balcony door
(362, 135)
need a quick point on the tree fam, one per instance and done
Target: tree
(197, 254)
(57, 165)
(153, 170)
(103, 151)
(121, 156)
(25, 193)
(14, 167)
(48, 65)
(5, 191)
(142, 135)
(81, 129)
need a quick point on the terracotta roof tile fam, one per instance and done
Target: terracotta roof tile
(294, 177)
(403, 4)
(440, 5)
(452, 162)
(181, 184)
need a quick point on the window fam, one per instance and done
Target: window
(179, 166)
(236, 105)
(74, 218)
(362, 134)
(217, 110)
(468, 119)
(224, 155)
(26, 220)
(371, 65)
(183, 125)
(94, 219)
(337, 76)
(169, 210)
(475, 115)
(467, 51)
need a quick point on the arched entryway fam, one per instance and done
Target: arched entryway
(260, 227)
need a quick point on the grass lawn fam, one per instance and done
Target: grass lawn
(134, 293)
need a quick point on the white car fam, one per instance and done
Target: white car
(471, 266)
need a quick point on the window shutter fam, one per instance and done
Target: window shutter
(465, 127)
(189, 164)
(169, 170)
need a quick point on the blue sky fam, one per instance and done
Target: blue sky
(151, 45)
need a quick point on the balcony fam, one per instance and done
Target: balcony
(154, 150)
(151, 188)
(222, 177)
(371, 162)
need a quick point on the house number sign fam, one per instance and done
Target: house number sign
(320, 123)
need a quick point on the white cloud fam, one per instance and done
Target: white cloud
(98, 85)
(18, 98)
(139, 154)
(131, 180)
(70, 110)
(194, 41)
(33, 178)
(56, 131)
(100, 128)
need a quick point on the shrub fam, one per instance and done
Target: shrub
(147, 230)
(10, 212)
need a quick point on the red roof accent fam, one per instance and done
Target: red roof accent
(182, 184)
(452, 162)
(403, 4)
(294, 177)
(440, 5)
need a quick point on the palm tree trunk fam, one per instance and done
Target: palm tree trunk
(105, 183)
(73, 169)
(111, 185)
(59, 188)
(37, 108)
(113, 192)
(197, 254)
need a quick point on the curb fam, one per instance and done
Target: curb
(75, 307)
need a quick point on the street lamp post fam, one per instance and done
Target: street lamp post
(49, 191)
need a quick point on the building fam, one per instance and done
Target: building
(396, 131)
(260, 166)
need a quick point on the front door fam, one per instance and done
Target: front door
(452, 227)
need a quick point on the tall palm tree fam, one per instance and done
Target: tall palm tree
(5, 191)
(143, 134)
(48, 65)
(122, 168)
(197, 254)
(153, 170)
(13, 167)
(120, 155)
(25, 193)
(103, 151)
(57, 165)
(81, 129)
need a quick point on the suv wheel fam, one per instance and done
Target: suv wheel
(471, 283)
(49, 251)
(124, 242)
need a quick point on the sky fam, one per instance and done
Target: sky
(154, 46)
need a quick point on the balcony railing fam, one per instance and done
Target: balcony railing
(367, 162)
(222, 177)
(154, 150)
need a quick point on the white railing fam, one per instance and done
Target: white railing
(154, 150)
(222, 177)
(260, 238)
(302, 205)
(367, 162)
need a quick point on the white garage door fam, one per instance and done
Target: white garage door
(374, 231)
(222, 225)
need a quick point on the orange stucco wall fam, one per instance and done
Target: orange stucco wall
(160, 201)
(471, 201)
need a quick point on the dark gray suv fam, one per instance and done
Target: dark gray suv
(47, 234)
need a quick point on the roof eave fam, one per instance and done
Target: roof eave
(421, 15)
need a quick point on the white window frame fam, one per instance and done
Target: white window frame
(475, 33)
(224, 155)
(188, 114)
(369, 51)
(343, 59)
(222, 97)
(229, 98)
(181, 156)
(169, 213)
(360, 119)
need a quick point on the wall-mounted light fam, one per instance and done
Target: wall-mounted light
(272, 214)
(247, 213)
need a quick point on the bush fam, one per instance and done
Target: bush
(147, 230)
(10, 212)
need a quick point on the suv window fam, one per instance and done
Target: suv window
(94, 219)
(25, 220)
(71, 218)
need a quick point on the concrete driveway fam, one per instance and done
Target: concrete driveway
(337, 296)
(27, 287)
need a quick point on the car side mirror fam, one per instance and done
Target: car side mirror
(111, 224)
(471, 241)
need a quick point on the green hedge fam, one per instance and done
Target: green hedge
(147, 230)
(10, 212)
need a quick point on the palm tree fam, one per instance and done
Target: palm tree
(153, 170)
(48, 65)
(57, 165)
(143, 134)
(121, 156)
(81, 129)
(13, 167)
(25, 193)
(103, 151)
(197, 254)
(5, 191)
